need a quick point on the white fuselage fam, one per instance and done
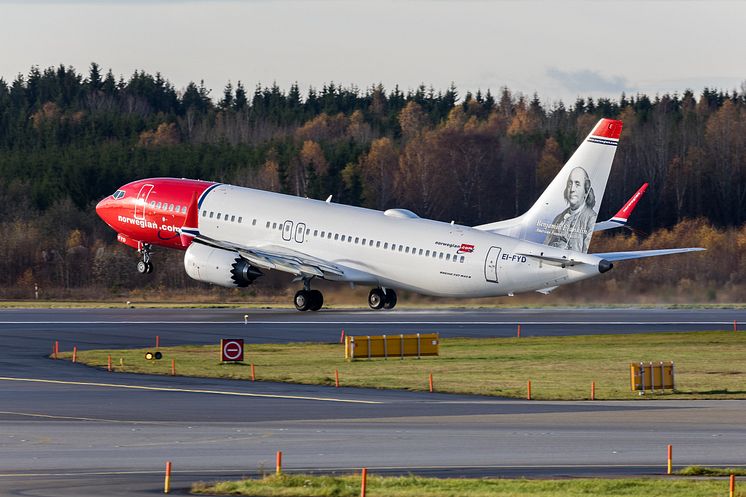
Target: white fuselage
(390, 250)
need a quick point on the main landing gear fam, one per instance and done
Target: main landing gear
(307, 299)
(144, 266)
(380, 298)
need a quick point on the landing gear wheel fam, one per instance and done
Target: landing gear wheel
(390, 299)
(376, 299)
(142, 267)
(317, 300)
(302, 300)
(149, 267)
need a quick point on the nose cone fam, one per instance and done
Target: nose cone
(102, 209)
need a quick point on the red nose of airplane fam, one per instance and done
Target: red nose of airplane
(101, 208)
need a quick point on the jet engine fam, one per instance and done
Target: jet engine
(218, 266)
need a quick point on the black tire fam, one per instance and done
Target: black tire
(302, 300)
(317, 300)
(149, 267)
(376, 299)
(390, 299)
(158, 356)
(142, 267)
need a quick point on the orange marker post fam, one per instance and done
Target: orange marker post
(735, 325)
(528, 388)
(670, 457)
(518, 334)
(56, 349)
(173, 367)
(364, 482)
(157, 342)
(253, 376)
(167, 481)
(108, 364)
(336, 378)
(342, 336)
(278, 463)
(75, 353)
(732, 486)
(593, 390)
(431, 382)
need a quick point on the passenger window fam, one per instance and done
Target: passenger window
(358, 239)
(240, 219)
(407, 251)
(171, 207)
(349, 239)
(212, 213)
(316, 233)
(158, 206)
(448, 257)
(336, 236)
(323, 233)
(385, 245)
(462, 259)
(253, 223)
(218, 216)
(274, 225)
(329, 235)
(427, 253)
(233, 219)
(343, 238)
(308, 231)
(401, 247)
(152, 203)
(267, 224)
(440, 256)
(204, 213)
(378, 244)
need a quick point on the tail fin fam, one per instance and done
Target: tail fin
(565, 214)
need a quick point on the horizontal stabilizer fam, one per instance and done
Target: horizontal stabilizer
(639, 254)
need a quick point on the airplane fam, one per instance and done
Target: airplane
(231, 235)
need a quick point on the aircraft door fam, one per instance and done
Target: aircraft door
(300, 232)
(287, 231)
(142, 201)
(490, 264)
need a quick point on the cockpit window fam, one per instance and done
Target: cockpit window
(118, 194)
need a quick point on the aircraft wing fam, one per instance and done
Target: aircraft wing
(619, 219)
(639, 254)
(280, 258)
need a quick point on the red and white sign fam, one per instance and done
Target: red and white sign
(231, 349)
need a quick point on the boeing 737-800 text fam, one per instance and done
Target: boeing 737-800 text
(231, 235)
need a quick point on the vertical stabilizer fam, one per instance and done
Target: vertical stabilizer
(565, 214)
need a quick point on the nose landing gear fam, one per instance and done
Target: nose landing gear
(380, 298)
(144, 266)
(307, 299)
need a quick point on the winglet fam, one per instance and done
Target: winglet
(620, 218)
(625, 211)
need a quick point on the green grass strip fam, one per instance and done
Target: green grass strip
(709, 365)
(414, 486)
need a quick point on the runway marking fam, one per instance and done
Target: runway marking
(190, 390)
(78, 418)
(477, 323)
(353, 469)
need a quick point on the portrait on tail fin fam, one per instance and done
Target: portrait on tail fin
(572, 228)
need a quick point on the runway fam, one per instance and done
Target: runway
(70, 428)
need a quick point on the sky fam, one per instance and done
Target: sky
(559, 49)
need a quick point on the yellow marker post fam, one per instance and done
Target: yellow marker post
(167, 481)
(670, 453)
(278, 464)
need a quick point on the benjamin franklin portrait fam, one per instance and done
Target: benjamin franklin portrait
(573, 227)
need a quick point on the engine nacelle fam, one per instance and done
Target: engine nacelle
(218, 266)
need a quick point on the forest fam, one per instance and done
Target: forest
(69, 138)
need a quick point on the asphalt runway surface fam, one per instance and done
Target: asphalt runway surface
(66, 429)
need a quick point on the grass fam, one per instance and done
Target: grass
(709, 365)
(414, 486)
(709, 471)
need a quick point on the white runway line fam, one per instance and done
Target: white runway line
(189, 390)
(348, 323)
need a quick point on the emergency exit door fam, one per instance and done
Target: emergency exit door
(490, 264)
